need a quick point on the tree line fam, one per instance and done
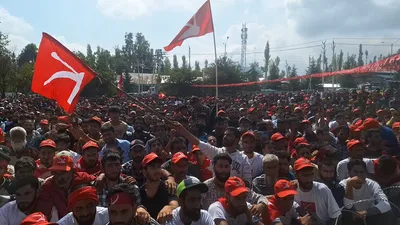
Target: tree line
(137, 56)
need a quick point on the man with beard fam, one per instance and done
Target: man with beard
(314, 197)
(232, 208)
(190, 213)
(120, 127)
(359, 191)
(153, 193)
(122, 209)
(63, 143)
(18, 143)
(112, 141)
(240, 163)
(33, 137)
(83, 203)
(222, 170)
(133, 167)
(264, 184)
(89, 162)
(47, 150)
(140, 133)
(327, 176)
(356, 151)
(6, 184)
(15, 211)
(284, 165)
(180, 164)
(94, 127)
(54, 192)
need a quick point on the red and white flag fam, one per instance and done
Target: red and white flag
(59, 74)
(121, 86)
(200, 24)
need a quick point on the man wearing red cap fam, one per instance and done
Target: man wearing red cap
(122, 209)
(279, 141)
(47, 150)
(233, 208)
(82, 202)
(44, 127)
(179, 166)
(248, 142)
(154, 194)
(314, 197)
(282, 207)
(36, 218)
(356, 151)
(54, 191)
(89, 162)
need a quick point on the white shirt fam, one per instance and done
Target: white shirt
(343, 172)
(369, 190)
(10, 214)
(100, 219)
(319, 203)
(256, 164)
(205, 218)
(289, 216)
(240, 163)
(217, 211)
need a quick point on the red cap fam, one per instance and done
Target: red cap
(178, 157)
(220, 112)
(303, 144)
(306, 121)
(251, 110)
(63, 119)
(352, 143)
(44, 122)
(299, 140)
(96, 119)
(396, 125)
(36, 218)
(369, 124)
(379, 111)
(277, 137)
(235, 186)
(355, 110)
(195, 148)
(90, 144)
(48, 143)
(248, 133)
(62, 163)
(302, 163)
(150, 158)
(284, 188)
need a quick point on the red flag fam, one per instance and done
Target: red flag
(200, 24)
(59, 74)
(121, 86)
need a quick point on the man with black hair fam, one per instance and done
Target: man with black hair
(240, 163)
(360, 191)
(140, 132)
(221, 124)
(190, 213)
(63, 143)
(25, 167)
(23, 205)
(111, 141)
(122, 205)
(5, 181)
(327, 176)
(47, 150)
(120, 127)
(284, 165)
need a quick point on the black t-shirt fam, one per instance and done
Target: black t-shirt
(158, 201)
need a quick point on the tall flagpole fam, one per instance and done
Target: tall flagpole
(216, 64)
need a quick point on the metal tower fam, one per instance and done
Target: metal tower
(244, 45)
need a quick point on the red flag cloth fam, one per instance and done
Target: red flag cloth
(121, 86)
(59, 74)
(200, 24)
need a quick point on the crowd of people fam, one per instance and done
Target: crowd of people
(281, 159)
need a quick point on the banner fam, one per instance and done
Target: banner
(389, 64)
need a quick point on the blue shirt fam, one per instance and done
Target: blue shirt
(122, 144)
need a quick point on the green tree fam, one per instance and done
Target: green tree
(267, 57)
(206, 64)
(90, 57)
(23, 78)
(28, 54)
(197, 66)
(7, 64)
(167, 65)
(340, 60)
(282, 74)
(175, 62)
(374, 59)
(143, 52)
(293, 84)
(184, 63)
(360, 56)
(347, 81)
(128, 51)
(228, 71)
(252, 74)
(314, 67)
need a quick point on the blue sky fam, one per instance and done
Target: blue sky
(285, 23)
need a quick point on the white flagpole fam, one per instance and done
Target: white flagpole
(216, 64)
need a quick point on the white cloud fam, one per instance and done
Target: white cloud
(16, 28)
(132, 9)
(70, 45)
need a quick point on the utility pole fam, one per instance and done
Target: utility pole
(309, 84)
(189, 60)
(323, 63)
(287, 69)
(334, 66)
